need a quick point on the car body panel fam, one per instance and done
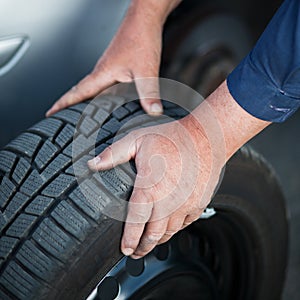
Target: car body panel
(66, 39)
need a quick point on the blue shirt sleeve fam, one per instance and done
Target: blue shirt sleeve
(267, 81)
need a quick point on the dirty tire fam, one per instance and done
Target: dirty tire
(57, 244)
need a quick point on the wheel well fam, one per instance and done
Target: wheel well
(255, 14)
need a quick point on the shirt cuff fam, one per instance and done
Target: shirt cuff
(258, 95)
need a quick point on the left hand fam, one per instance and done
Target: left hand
(177, 172)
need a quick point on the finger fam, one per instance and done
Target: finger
(148, 90)
(139, 212)
(118, 153)
(131, 237)
(189, 219)
(87, 88)
(152, 234)
(174, 225)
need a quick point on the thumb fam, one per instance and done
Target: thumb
(148, 90)
(118, 153)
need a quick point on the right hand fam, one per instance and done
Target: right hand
(177, 172)
(134, 53)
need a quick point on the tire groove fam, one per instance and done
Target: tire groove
(46, 219)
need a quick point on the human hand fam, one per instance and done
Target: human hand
(177, 172)
(178, 167)
(134, 52)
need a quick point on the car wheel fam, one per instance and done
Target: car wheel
(58, 243)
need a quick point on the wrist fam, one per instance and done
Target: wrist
(232, 124)
(202, 138)
(152, 11)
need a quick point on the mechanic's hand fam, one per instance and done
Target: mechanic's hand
(176, 176)
(134, 53)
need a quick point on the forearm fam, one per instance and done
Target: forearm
(265, 86)
(151, 10)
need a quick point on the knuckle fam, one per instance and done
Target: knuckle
(91, 77)
(125, 76)
(107, 152)
(187, 223)
(109, 149)
(74, 88)
(153, 237)
(139, 212)
(148, 195)
(164, 239)
(102, 66)
(170, 232)
(140, 216)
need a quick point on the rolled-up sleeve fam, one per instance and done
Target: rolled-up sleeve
(267, 81)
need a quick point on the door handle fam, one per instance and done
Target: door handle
(12, 49)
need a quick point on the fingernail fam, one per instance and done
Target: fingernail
(48, 113)
(136, 256)
(52, 110)
(127, 251)
(156, 108)
(94, 162)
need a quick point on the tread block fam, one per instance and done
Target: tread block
(102, 136)
(56, 166)
(7, 160)
(39, 205)
(177, 112)
(99, 149)
(7, 244)
(100, 116)
(25, 143)
(45, 154)
(168, 104)
(48, 127)
(33, 183)
(79, 146)
(68, 115)
(116, 181)
(107, 102)
(69, 150)
(120, 113)
(140, 113)
(3, 221)
(132, 106)
(7, 189)
(59, 186)
(91, 199)
(21, 225)
(135, 121)
(54, 240)
(71, 220)
(2, 295)
(18, 282)
(21, 170)
(87, 126)
(112, 126)
(65, 136)
(15, 205)
(36, 261)
(85, 108)
(80, 167)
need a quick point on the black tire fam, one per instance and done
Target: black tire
(57, 244)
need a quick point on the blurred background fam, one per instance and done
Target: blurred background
(47, 46)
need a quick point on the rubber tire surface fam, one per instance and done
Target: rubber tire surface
(55, 242)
